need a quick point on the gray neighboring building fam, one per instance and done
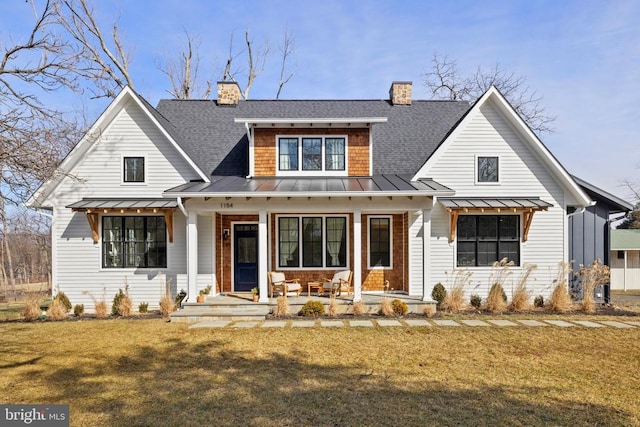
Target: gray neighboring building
(590, 230)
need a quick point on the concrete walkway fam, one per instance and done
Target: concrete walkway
(413, 322)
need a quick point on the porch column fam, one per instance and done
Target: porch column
(426, 254)
(263, 248)
(192, 256)
(357, 255)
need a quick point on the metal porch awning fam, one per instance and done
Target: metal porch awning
(95, 206)
(525, 205)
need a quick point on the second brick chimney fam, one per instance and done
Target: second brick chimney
(400, 93)
(228, 93)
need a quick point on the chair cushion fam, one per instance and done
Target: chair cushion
(344, 275)
(293, 286)
(277, 277)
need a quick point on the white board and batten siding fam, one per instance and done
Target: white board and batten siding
(79, 272)
(521, 174)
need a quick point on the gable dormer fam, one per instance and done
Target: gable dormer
(311, 147)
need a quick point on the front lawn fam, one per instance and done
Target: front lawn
(148, 372)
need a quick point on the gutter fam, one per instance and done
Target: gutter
(582, 209)
(181, 206)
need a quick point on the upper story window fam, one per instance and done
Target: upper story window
(312, 154)
(133, 169)
(487, 169)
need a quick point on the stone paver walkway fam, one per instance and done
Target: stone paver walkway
(414, 322)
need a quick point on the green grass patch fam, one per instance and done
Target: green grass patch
(149, 372)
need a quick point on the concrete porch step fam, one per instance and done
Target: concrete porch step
(197, 312)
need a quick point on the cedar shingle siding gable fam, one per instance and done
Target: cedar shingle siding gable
(219, 146)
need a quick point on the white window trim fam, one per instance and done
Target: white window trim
(324, 241)
(146, 171)
(488, 267)
(323, 171)
(475, 169)
(101, 267)
(380, 267)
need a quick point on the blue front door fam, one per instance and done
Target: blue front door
(245, 256)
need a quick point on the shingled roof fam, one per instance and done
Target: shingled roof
(208, 134)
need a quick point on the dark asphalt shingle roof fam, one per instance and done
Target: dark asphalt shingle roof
(208, 134)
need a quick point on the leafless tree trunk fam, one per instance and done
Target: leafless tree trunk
(183, 73)
(103, 60)
(444, 81)
(255, 63)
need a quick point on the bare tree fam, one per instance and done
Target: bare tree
(286, 50)
(255, 63)
(104, 61)
(445, 81)
(183, 73)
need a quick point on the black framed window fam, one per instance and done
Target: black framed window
(311, 154)
(379, 242)
(488, 169)
(288, 242)
(134, 242)
(485, 239)
(288, 148)
(335, 154)
(133, 169)
(312, 241)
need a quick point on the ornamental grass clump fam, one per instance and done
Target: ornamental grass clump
(167, 305)
(121, 303)
(429, 311)
(282, 306)
(591, 277)
(57, 310)
(497, 299)
(31, 310)
(64, 300)
(520, 300)
(333, 308)
(454, 299)
(359, 308)
(101, 309)
(560, 300)
(386, 308)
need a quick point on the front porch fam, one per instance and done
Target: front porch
(241, 307)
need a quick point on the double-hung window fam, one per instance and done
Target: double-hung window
(134, 242)
(312, 241)
(485, 239)
(379, 242)
(312, 154)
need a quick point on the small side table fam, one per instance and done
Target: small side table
(314, 285)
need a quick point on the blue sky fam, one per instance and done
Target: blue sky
(583, 57)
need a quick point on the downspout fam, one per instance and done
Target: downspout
(582, 209)
(181, 207)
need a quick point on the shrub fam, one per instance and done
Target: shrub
(359, 308)
(399, 307)
(64, 300)
(475, 301)
(439, 293)
(115, 307)
(497, 299)
(167, 305)
(429, 310)
(78, 310)
(282, 306)
(312, 309)
(57, 310)
(121, 304)
(538, 301)
(143, 307)
(101, 309)
(560, 300)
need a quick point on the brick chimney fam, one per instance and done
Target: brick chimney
(228, 93)
(400, 93)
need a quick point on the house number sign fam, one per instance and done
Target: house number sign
(226, 205)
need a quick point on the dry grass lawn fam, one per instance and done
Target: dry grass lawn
(148, 372)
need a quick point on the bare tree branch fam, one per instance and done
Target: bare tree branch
(107, 66)
(286, 50)
(444, 81)
(183, 73)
